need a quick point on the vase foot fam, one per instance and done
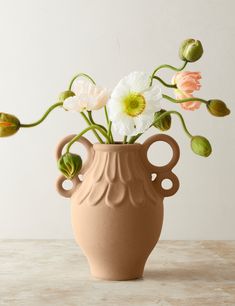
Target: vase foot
(117, 278)
(116, 274)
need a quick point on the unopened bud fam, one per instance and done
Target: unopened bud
(164, 123)
(9, 125)
(190, 50)
(66, 94)
(70, 164)
(218, 108)
(201, 146)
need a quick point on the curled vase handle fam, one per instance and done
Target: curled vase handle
(75, 181)
(163, 172)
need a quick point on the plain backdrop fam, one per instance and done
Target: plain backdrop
(44, 43)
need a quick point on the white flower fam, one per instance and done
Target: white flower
(133, 104)
(87, 97)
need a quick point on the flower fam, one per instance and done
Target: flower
(133, 104)
(190, 50)
(87, 97)
(9, 125)
(186, 83)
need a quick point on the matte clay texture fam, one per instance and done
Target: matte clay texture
(117, 209)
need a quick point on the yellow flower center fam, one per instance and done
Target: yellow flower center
(134, 104)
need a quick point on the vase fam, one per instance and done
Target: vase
(117, 205)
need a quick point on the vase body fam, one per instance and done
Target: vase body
(117, 208)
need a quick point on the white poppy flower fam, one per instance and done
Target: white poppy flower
(133, 104)
(87, 97)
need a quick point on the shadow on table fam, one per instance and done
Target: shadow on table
(204, 272)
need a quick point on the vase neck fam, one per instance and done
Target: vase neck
(117, 147)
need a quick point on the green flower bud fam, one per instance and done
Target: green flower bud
(201, 146)
(163, 124)
(190, 50)
(217, 108)
(70, 164)
(9, 125)
(66, 94)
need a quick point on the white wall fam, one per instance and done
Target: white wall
(44, 43)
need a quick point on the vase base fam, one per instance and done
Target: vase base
(117, 278)
(112, 274)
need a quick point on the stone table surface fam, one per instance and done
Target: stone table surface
(55, 272)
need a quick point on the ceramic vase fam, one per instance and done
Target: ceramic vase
(117, 205)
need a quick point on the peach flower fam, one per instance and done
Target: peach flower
(187, 82)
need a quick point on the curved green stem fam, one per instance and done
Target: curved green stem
(50, 109)
(184, 100)
(125, 139)
(91, 127)
(89, 123)
(179, 116)
(166, 66)
(134, 138)
(110, 132)
(80, 75)
(109, 124)
(164, 83)
(106, 115)
(93, 122)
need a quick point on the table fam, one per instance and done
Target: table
(55, 272)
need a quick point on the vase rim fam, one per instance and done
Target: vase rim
(118, 146)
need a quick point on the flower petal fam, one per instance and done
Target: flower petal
(138, 81)
(72, 104)
(143, 122)
(87, 96)
(124, 125)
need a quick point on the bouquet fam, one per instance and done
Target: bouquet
(135, 105)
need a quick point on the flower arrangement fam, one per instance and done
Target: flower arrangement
(131, 108)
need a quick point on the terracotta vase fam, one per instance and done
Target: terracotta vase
(117, 205)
